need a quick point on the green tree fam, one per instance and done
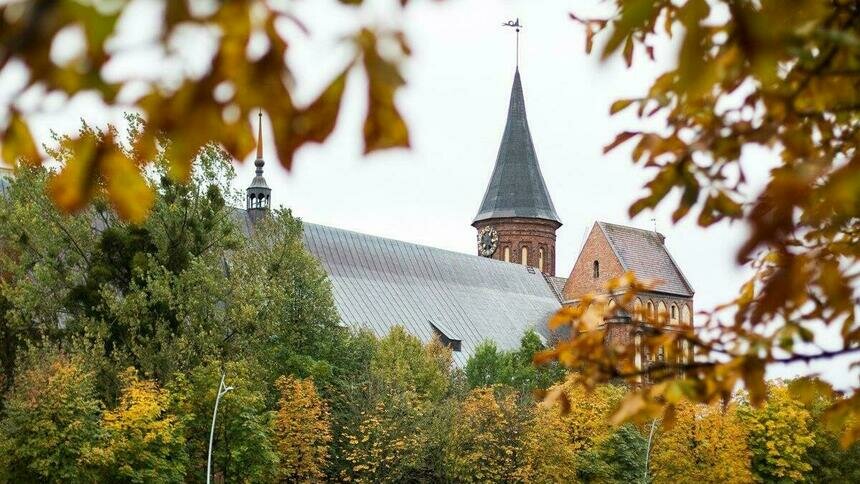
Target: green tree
(144, 441)
(244, 448)
(165, 295)
(50, 430)
(619, 457)
(392, 415)
(491, 366)
(829, 460)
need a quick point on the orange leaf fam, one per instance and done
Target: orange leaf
(18, 143)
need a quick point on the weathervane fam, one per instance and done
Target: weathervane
(515, 24)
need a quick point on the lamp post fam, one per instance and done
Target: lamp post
(222, 390)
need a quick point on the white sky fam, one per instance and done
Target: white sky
(455, 103)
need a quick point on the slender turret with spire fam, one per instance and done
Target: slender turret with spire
(517, 220)
(259, 194)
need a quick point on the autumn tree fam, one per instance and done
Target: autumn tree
(188, 109)
(769, 79)
(547, 453)
(485, 443)
(144, 441)
(705, 443)
(779, 435)
(302, 431)
(49, 431)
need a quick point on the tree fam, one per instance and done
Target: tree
(828, 460)
(302, 431)
(50, 426)
(547, 453)
(402, 361)
(244, 447)
(388, 415)
(144, 441)
(167, 294)
(779, 436)
(751, 77)
(191, 110)
(490, 366)
(704, 444)
(485, 437)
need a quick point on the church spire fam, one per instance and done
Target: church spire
(258, 194)
(517, 187)
(260, 135)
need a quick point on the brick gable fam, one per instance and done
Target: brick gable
(581, 280)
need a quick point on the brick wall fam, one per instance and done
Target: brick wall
(533, 234)
(581, 280)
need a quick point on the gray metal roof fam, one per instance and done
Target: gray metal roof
(517, 188)
(645, 254)
(379, 283)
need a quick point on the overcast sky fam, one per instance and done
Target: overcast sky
(455, 103)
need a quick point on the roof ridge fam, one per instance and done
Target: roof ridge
(631, 228)
(414, 244)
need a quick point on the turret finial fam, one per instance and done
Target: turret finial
(259, 161)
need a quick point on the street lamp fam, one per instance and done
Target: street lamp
(222, 390)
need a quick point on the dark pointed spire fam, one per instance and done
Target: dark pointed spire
(517, 187)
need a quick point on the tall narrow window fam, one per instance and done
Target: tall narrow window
(540, 259)
(525, 256)
(673, 314)
(637, 309)
(685, 314)
(507, 254)
(650, 314)
(596, 269)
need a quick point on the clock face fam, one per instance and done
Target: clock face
(488, 241)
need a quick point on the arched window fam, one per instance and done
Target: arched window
(637, 309)
(661, 311)
(637, 352)
(650, 315)
(685, 314)
(596, 269)
(507, 254)
(540, 259)
(673, 314)
(524, 256)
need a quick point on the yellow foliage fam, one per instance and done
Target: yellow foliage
(384, 442)
(548, 455)
(705, 444)
(779, 436)
(484, 444)
(144, 441)
(302, 429)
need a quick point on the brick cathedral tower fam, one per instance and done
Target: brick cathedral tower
(517, 220)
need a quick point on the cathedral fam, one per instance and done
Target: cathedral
(509, 286)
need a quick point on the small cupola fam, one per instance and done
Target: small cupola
(258, 194)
